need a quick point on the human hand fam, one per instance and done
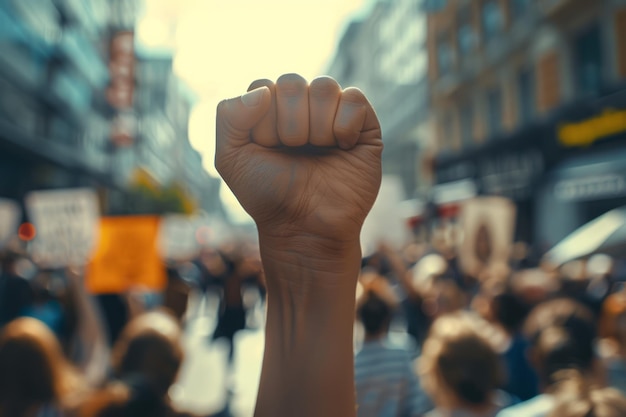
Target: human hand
(302, 159)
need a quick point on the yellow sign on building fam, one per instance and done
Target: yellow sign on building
(585, 133)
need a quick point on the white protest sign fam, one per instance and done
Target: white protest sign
(386, 221)
(67, 224)
(178, 238)
(9, 219)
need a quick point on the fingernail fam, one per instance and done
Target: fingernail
(253, 98)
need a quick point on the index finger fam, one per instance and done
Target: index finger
(265, 133)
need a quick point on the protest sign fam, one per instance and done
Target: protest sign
(179, 237)
(488, 225)
(127, 256)
(9, 219)
(66, 224)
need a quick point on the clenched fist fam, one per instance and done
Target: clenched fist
(302, 159)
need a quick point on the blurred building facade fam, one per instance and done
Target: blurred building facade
(384, 54)
(528, 102)
(53, 115)
(80, 107)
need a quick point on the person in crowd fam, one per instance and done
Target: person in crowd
(146, 361)
(460, 367)
(508, 312)
(580, 280)
(47, 306)
(576, 398)
(386, 384)
(35, 378)
(232, 314)
(304, 160)
(562, 334)
(429, 290)
(88, 347)
(176, 293)
(613, 330)
(213, 268)
(16, 294)
(116, 313)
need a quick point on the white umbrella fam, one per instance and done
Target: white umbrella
(606, 234)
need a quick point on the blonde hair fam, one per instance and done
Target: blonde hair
(460, 359)
(577, 398)
(146, 360)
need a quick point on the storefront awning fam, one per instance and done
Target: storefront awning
(453, 192)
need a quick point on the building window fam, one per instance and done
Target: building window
(492, 19)
(467, 125)
(466, 36)
(444, 56)
(588, 60)
(519, 7)
(526, 95)
(432, 6)
(494, 111)
(467, 39)
(447, 129)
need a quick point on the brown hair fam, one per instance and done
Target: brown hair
(562, 334)
(375, 307)
(150, 346)
(459, 358)
(612, 319)
(33, 370)
(146, 360)
(576, 398)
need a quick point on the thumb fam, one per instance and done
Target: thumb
(236, 117)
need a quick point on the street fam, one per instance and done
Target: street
(206, 385)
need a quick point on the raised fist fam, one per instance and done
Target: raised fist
(302, 159)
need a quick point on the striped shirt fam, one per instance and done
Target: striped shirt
(386, 384)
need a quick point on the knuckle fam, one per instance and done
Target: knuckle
(353, 95)
(345, 132)
(291, 85)
(221, 106)
(324, 87)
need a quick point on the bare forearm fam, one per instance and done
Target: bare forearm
(402, 273)
(308, 368)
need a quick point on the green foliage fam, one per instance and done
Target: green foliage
(141, 199)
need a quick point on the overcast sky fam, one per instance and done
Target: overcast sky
(222, 45)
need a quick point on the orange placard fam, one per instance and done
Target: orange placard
(127, 256)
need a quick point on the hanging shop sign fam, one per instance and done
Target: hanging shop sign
(510, 175)
(591, 188)
(587, 132)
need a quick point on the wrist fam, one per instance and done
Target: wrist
(285, 244)
(307, 261)
(290, 236)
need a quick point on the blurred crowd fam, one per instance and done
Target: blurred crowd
(431, 338)
(65, 352)
(524, 339)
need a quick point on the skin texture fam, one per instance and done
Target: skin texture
(304, 160)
